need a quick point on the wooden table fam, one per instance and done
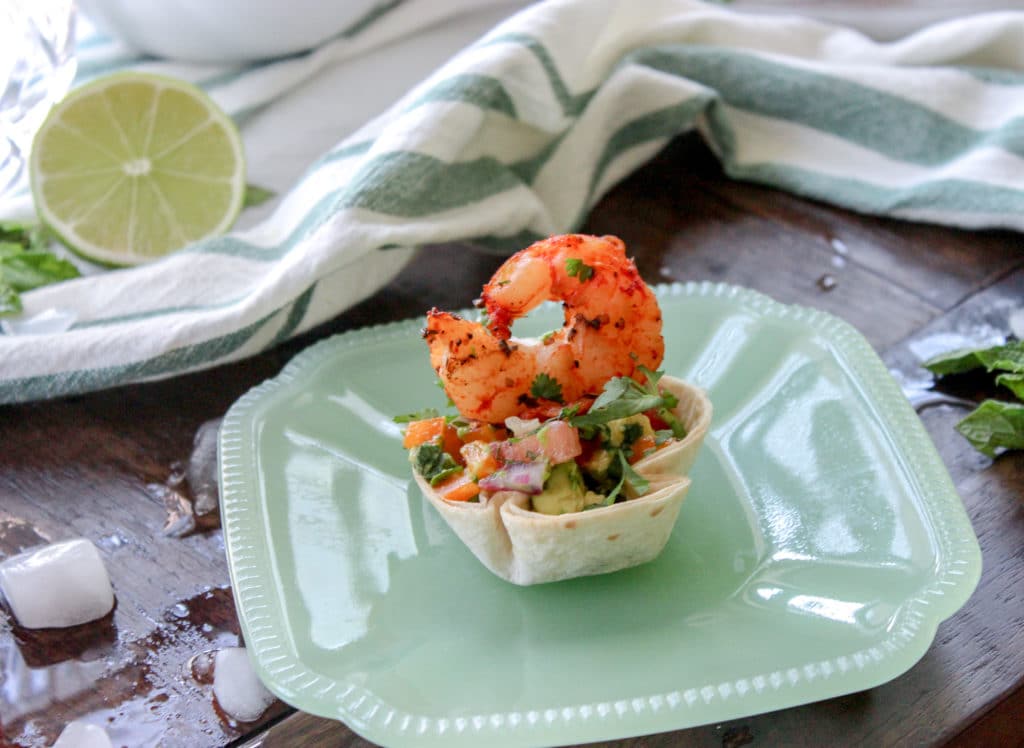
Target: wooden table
(105, 465)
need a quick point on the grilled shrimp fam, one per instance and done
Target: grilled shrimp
(612, 325)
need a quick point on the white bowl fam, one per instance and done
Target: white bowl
(226, 30)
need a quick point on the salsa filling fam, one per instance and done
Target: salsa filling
(577, 459)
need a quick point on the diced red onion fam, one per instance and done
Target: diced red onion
(526, 477)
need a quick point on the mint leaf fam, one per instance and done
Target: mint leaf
(1015, 382)
(256, 195)
(418, 416)
(25, 263)
(994, 425)
(31, 269)
(1009, 357)
(575, 267)
(545, 387)
(10, 302)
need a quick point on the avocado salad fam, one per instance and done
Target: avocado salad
(567, 458)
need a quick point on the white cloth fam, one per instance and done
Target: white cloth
(516, 137)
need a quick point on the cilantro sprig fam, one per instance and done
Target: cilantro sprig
(624, 396)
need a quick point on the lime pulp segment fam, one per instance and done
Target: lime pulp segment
(133, 166)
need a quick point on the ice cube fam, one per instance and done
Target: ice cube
(201, 472)
(239, 692)
(83, 735)
(63, 584)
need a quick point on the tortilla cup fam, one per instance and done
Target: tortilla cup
(526, 547)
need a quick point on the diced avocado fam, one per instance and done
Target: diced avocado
(563, 492)
(625, 429)
(598, 463)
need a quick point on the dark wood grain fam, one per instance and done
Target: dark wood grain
(91, 466)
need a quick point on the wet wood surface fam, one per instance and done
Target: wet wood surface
(107, 466)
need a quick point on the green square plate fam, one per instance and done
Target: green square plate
(820, 546)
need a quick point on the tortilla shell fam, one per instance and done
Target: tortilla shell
(526, 547)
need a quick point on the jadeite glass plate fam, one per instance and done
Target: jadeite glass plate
(820, 546)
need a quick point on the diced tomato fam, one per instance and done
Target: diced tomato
(480, 459)
(641, 445)
(434, 430)
(560, 442)
(459, 487)
(421, 432)
(484, 432)
(452, 443)
(557, 441)
(657, 422)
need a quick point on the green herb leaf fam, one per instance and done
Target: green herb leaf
(994, 425)
(623, 397)
(636, 482)
(1009, 357)
(256, 195)
(1015, 382)
(575, 267)
(33, 268)
(25, 263)
(433, 463)
(417, 416)
(545, 387)
(10, 302)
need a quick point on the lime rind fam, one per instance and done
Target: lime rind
(133, 166)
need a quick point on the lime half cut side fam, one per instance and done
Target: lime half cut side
(132, 166)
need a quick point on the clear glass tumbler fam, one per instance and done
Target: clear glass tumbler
(37, 64)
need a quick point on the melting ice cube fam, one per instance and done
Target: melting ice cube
(238, 690)
(202, 468)
(83, 735)
(63, 584)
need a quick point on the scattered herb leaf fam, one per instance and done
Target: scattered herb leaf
(545, 387)
(575, 267)
(256, 195)
(994, 425)
(26, 263)
(1008, 357)
(1015, 382)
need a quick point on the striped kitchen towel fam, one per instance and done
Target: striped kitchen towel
(515, 137)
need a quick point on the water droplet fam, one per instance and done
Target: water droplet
(838, 261)
(827, 282)
(178, 610)
(665, 272)
(839, 246)
(207, 628)
(112, 542)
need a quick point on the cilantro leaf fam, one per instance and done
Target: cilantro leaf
(623, 397)
(433, 463)
(417, 416)
(994, 425)
(575, 267)
(636, 482)
(545, 387)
